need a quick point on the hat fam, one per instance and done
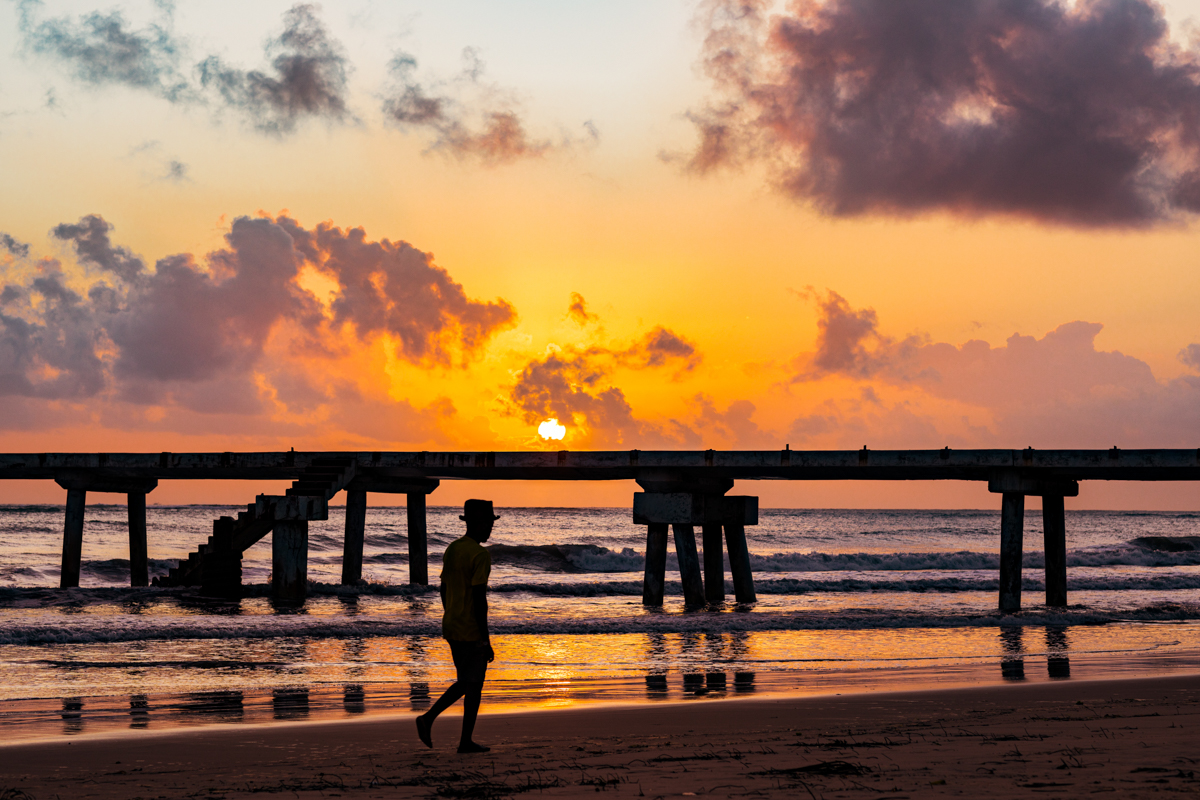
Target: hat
(476, 509)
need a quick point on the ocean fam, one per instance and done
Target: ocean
(848, 600)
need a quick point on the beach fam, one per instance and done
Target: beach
(1133, 738)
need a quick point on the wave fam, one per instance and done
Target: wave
(1158, 551)
(122, 628)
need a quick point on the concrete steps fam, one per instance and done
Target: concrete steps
(307, 499)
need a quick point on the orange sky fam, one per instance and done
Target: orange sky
(721, 307)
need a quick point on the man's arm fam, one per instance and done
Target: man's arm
(479, 605)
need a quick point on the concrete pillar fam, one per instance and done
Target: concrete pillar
(139, 566)
(289, 561)
(418, 541)
(656, 564)
(221, 565)
(739, 564)
(72, 552)
(1054, 525)
(689, 566)
(352, 544)
(1012, 527)
(714, 564)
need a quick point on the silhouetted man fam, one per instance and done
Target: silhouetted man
(465, 570)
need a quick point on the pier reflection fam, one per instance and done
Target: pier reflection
(418, 696)
(1012, 660)
(72, 714)
(656, 687)
(139, 711)
(354, 699)
(1058, 665)
(290, 703)
(227, 706)
(695, 684)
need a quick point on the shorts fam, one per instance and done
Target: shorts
(470, 659)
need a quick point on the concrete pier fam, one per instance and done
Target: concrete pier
(72, 550)
(356, 529)
(1012, 531)
(714, 564)
(689, 566)
(139, 563)
(739, 562)
(655, 578)
(1054, 526)
(418, 540)
(289, 561)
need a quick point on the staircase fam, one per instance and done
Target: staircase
(307, 499)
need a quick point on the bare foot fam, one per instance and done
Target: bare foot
(471, 747)
(425, 730)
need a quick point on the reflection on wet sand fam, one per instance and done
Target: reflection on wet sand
(290, 703)
(139, 711)
(1058, 665)
(1012, 662)
(354, 699)
(227, 706)
(699, 685)
(72, 714)
(418, 696)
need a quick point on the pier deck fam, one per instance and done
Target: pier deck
(681, 490)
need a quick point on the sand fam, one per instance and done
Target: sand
(1132, 738)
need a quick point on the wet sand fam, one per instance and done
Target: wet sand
(1132, 738)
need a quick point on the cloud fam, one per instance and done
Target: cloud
(92, 244)
(394, 288)
(486, 126)
(577, 311)
(103, 48)
(1078, 113)
(575, 385)
(197, 334)
(18, 249)
(1190, 356)
(307, 77)
(1058, 390)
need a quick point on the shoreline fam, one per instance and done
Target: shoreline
(1131, 735)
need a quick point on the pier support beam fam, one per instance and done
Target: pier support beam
(739, 563)
(1012, 530)
(139, 564)
(418, 540)
(689, 566)
(714, 564)
(356, 528)
(656, 564)
(289, 561)
(72, 551)
(1054, 526)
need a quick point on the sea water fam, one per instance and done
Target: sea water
(847, 600)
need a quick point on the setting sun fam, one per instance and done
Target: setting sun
(550, 429)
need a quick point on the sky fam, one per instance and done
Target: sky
(666, 225)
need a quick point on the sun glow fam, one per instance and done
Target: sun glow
(550, 429)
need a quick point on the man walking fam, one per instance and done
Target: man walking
(465, 570)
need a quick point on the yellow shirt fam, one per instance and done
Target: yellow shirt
(465, 564)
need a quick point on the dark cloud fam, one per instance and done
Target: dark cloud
(1075, 113)
(93, 245)
(103, 48)
(660, 347)
(176, 172)
(192, 334)
(1190, 356)
(18, 249)
(577, 310)
(394, 288)
(486, 127)
(49, 338)
(307, 77)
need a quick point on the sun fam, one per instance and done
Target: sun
(550, 429)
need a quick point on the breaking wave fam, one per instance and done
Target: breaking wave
(123, 628)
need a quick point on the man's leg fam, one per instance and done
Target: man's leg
(448, 698)
(474, 696)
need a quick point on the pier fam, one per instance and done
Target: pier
(681, 490)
